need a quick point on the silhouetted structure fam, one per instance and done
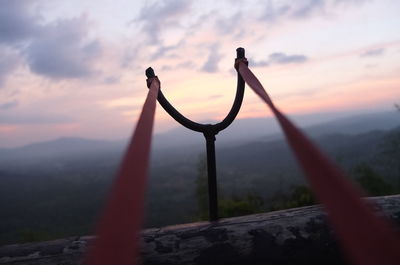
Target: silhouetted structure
(209, 131)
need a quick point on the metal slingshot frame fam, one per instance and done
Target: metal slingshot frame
(209, 131)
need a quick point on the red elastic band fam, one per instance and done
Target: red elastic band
(120, 226)
(366, 238)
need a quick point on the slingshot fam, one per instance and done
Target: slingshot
(209, 131)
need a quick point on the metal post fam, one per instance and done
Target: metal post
(212, 177)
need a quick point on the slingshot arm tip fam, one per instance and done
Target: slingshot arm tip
(150, 72)
(240, 52)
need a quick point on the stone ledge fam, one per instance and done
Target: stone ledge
(294, 236)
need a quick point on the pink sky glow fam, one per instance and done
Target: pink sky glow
(76, 68)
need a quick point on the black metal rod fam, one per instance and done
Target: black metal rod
(237, 103)
(212, 178)
(209, 131)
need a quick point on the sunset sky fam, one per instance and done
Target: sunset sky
(76, 67)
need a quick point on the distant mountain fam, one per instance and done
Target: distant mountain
(72, 149)
(248, 130)
(59, 148)
(240, 132)
(358, 124)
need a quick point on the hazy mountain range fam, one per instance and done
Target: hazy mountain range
(241, 131)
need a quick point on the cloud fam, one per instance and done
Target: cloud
(373, 52)
(279, 58)
(160, 15)
(8, 105)
(62, 50)
(9, 61)
(308, 8)
(255, 63)
(183, 65)
(231, 25)
(59, 49)
(211, 65)
(28, 118)
(215, 97)
(282, 58)
(303, 9)
(272, 12)
(17, 23)
(275, 11)
(163, 50)
(303, 93)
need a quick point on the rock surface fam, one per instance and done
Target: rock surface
(295, 236)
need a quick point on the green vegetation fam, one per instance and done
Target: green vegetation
(390, 154)
(298, 196)
(371, 182)
(33, 236)
(237, 205)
